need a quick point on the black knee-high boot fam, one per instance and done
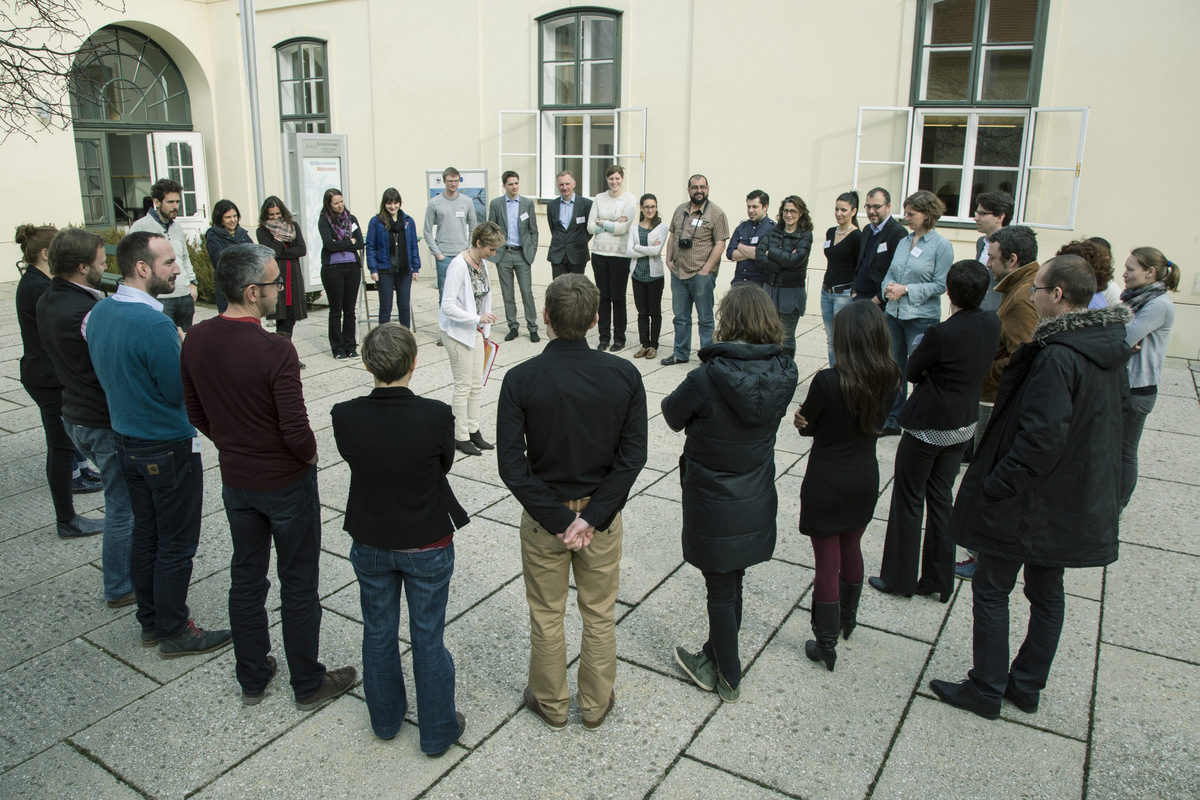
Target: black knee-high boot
(825, 617)
(848, 596)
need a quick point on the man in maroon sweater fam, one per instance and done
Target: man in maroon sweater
(242, 387)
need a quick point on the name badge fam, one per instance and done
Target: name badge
(916, 251)
(754, 240)
(580, 220)
(524, 216)
(460, 214)
(882, 248)
(619, 205)
(195, 444)
(696, 223)
(827, 243)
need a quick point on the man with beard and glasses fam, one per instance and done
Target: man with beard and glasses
(699, 230)
(135, 351)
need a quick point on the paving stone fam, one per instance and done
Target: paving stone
(38, 555)
(21, 419)
(979, 760)
(52, 612)
(651, 548)
(1162, 514)
(676, 614)
(333, 538)
(1151, 602)
(62, 772)
(794, 728)
(1168, 457)
(215, 550)
(475, 496)
(60, 692)
(1177, 382)
(334, 754)
(1146, 734)
(653, 720)
(691, 780)
(1065, 704)
(1179, 415)
(333, 484)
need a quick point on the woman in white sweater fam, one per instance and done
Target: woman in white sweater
(646, 240)
(609, 223)
(466, 318)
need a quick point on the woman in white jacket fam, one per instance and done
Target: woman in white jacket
(609, 222)
(466, 318)
(646, 240)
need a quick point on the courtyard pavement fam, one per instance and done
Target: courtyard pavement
(89, 713)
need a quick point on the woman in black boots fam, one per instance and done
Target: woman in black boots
(278, 231)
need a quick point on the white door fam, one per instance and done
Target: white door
(179, 156)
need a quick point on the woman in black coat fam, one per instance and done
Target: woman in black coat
(947, 367)
(731, 406)
(844, 410)
(226, 230)
(341, 272)
(278, 231)
(782, 254)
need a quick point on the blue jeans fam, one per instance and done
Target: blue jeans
(425, 578)
(166, 492)
(904, 333)
(291, 517)
(832, 303)
(98, 446)
(401, 286)
(442, 264)
(686, 292)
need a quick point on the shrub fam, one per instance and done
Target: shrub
(203, 268)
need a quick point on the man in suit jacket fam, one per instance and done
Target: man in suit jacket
(567, 215)
(402, 516)
(876, 246)
(514, 214)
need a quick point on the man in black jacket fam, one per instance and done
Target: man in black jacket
(567, 217)
(1041, 492)
(77, 262)
(571, 440)
(876, 246)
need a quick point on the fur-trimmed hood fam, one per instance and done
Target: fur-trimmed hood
(1098, 334)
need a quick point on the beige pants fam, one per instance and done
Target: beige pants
(547, 564)
(466, 365)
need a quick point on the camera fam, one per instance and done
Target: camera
(685, 244)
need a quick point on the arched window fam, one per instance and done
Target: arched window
(303, 87)
(124, 78)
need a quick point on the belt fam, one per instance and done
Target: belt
(841, 288)
(577, 505)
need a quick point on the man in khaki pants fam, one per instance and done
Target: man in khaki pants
(571, 439)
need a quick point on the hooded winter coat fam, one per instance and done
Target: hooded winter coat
(1043, 486)
(731, 406)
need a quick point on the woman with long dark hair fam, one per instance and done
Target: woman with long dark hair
(646, 240)
(1149, 275)
(731, 406)
(341, 273)
(841, 256)
(278, 231)
(226, 230)
(393, 257)
(782, 255)
(843, 412)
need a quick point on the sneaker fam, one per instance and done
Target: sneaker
(462, 731)
(254, 698)
(192, 641)
(90, 474)
(483, 444)
(85, 485)
(965, 569)
(354, 354)
(533, 337)
(699, 667)
(337, 683)
(121, 602)
(80, 526)
(149, 637)
(342, 357)
(512, 334)
(727, 692)
(532, 704)
(669, 360)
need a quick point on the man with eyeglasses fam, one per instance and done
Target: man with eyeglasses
(993, 211)
(452, 214)
(135, 351)
(876, 246)
(242, 387)
(698, 232)
(1041, 494)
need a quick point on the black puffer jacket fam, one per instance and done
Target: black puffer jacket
(783, 257)
(731, 406)
(1043, 486)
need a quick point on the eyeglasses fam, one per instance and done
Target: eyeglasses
(791, 211)
(876, 207)
(1034, 289)
(979, 212)
(278, 283)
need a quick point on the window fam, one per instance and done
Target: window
(303, 87)
(580, 59)
(121, 78)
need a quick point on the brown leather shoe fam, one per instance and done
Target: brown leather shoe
(532, 704)
(337, 682)
(591, 725)
(641, 353)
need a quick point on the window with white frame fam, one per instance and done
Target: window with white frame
(303, 86)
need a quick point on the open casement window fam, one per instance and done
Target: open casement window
(881, 151)
(91, 156)
(960, 154)
(179, 156)
(542, 144)
(1053, 163)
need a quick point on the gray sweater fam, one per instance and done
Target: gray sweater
(175, 235)
(455, 219)
(1152, 328)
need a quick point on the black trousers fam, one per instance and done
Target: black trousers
(647, 299)
(60, 451)
(612, 275)
(564, 267)
(924, 476)
(725, 622)
(994, 580)
(341, 282)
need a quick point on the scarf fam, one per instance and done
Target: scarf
(281, 230)
(1136, 298)
(340, 225)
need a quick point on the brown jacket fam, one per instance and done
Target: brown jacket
(1018, 318)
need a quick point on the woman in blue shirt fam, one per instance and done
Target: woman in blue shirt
(914, 284)
(393, 257)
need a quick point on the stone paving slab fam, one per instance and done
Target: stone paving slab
(60, 692)
(1146, 741)
(691, 780)
(1169, 457)
(945, 752)
(36, 556)
(334, 754)
(796, 728)
(61, 772)
(1162, 514)
(651, 548)
(915, 617)
(1180, 415)
(474, 496)
(653, 720)
(1152, 602)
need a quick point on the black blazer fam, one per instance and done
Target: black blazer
(870, 274)
(399, 447)
(948, 367)
(570, 244)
